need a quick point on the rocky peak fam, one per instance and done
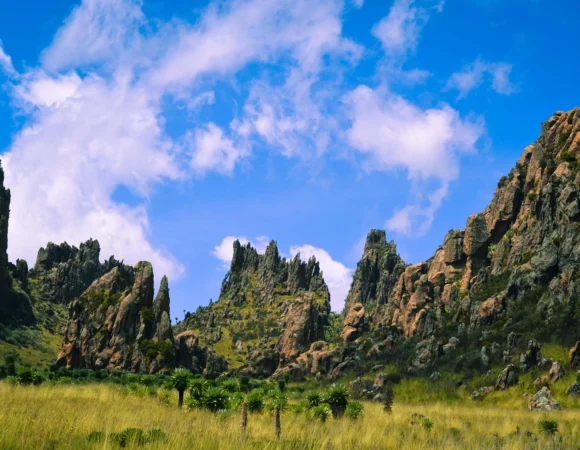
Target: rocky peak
(15, 305)
(63, 272)
(269, 308)
(376, 274)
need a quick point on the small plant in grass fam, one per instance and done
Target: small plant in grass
(355, 410)
(389, 400)
(321, 412)
(337, 398)
(427, 424)
(255, 402)
(180, 381)
(314, 399)
(216, 399)
(548, 427)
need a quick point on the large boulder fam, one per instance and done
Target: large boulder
(543, 401)
(557, 372)
(574, 389)
(196, 358)
(507, 377)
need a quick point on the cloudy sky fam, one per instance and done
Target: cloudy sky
(166, 129)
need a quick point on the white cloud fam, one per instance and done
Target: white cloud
(399, 31)
(393, 133)
(6, 62)
(224, 251)
(214, 151)
(96, 118)
(358, 3)
(337, 276)
(473, 75)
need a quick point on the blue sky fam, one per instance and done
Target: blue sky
(168, 128)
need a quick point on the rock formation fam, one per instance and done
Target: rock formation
(63, 272)
(513, 269)
(115, 324)
(269, 311)
(15, 305)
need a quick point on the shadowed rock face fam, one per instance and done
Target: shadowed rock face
(115, 324)
(15, 306)
(270, 310)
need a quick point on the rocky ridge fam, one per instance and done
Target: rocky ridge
(270, 310)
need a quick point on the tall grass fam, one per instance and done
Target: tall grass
(63, 416)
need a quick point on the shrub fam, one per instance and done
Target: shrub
(180, 381)
(354, 410)
(427, 424)
(25, 375)
(548, 427)
(197, 387)
(216, 399)
(230, 386)
(337, 398)
(255, 402)
(321, 412)
(314, 399)
(10, 363)
(149, 380)
(503, 181)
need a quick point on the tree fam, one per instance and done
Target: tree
(337, 398)
(180, 382)
(10, 362)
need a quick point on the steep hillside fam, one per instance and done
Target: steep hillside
(269, 311)
(512, 275)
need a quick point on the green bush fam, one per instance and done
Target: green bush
(230, 385)
(337, 398)
(355, 410)
(197, 387)
(255, 402)
(314, 399)
(216, 399)
(548, 427)
(427, 424)
(321, 412)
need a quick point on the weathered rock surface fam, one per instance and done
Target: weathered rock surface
(115, 324)
(512, 269)
(15, 305)
(276, 308)
(198, 359)
(574, 389)
(575, 356)
(543, 401)
(507, 377)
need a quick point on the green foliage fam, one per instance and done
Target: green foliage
(333, 331)
(427, 424)
(503, 181)
(230, 385)
(321, 412)
(354, 410)
(493, 285)
(180, 379)
(215, 400)
(548, 427)
(314, 399)
(147, 315)
(569, 157)
(337, 398)
(255, 402)
(155, 349)
(197, 387)
(571, 117)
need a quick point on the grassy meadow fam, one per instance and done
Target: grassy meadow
(55, 416)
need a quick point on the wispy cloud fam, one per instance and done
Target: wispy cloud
(475, 74)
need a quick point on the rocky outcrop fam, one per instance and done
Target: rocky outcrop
(196, 358)
(543, 401)
(376, 274)
(115, 324)
(269, 312)
(574, 389)
(575, 356)
(15, 305)
(513, 269)
(63, 272)
(507, 378)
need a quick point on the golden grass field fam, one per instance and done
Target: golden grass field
(62, 416)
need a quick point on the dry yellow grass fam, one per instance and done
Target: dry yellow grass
(62, 416)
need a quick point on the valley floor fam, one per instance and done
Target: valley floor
(64, 416)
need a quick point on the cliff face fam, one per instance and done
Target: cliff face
(514, 269)
(269, 311)
(115, 324)
(15, 305)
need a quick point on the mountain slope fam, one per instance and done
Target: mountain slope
(269, 310)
